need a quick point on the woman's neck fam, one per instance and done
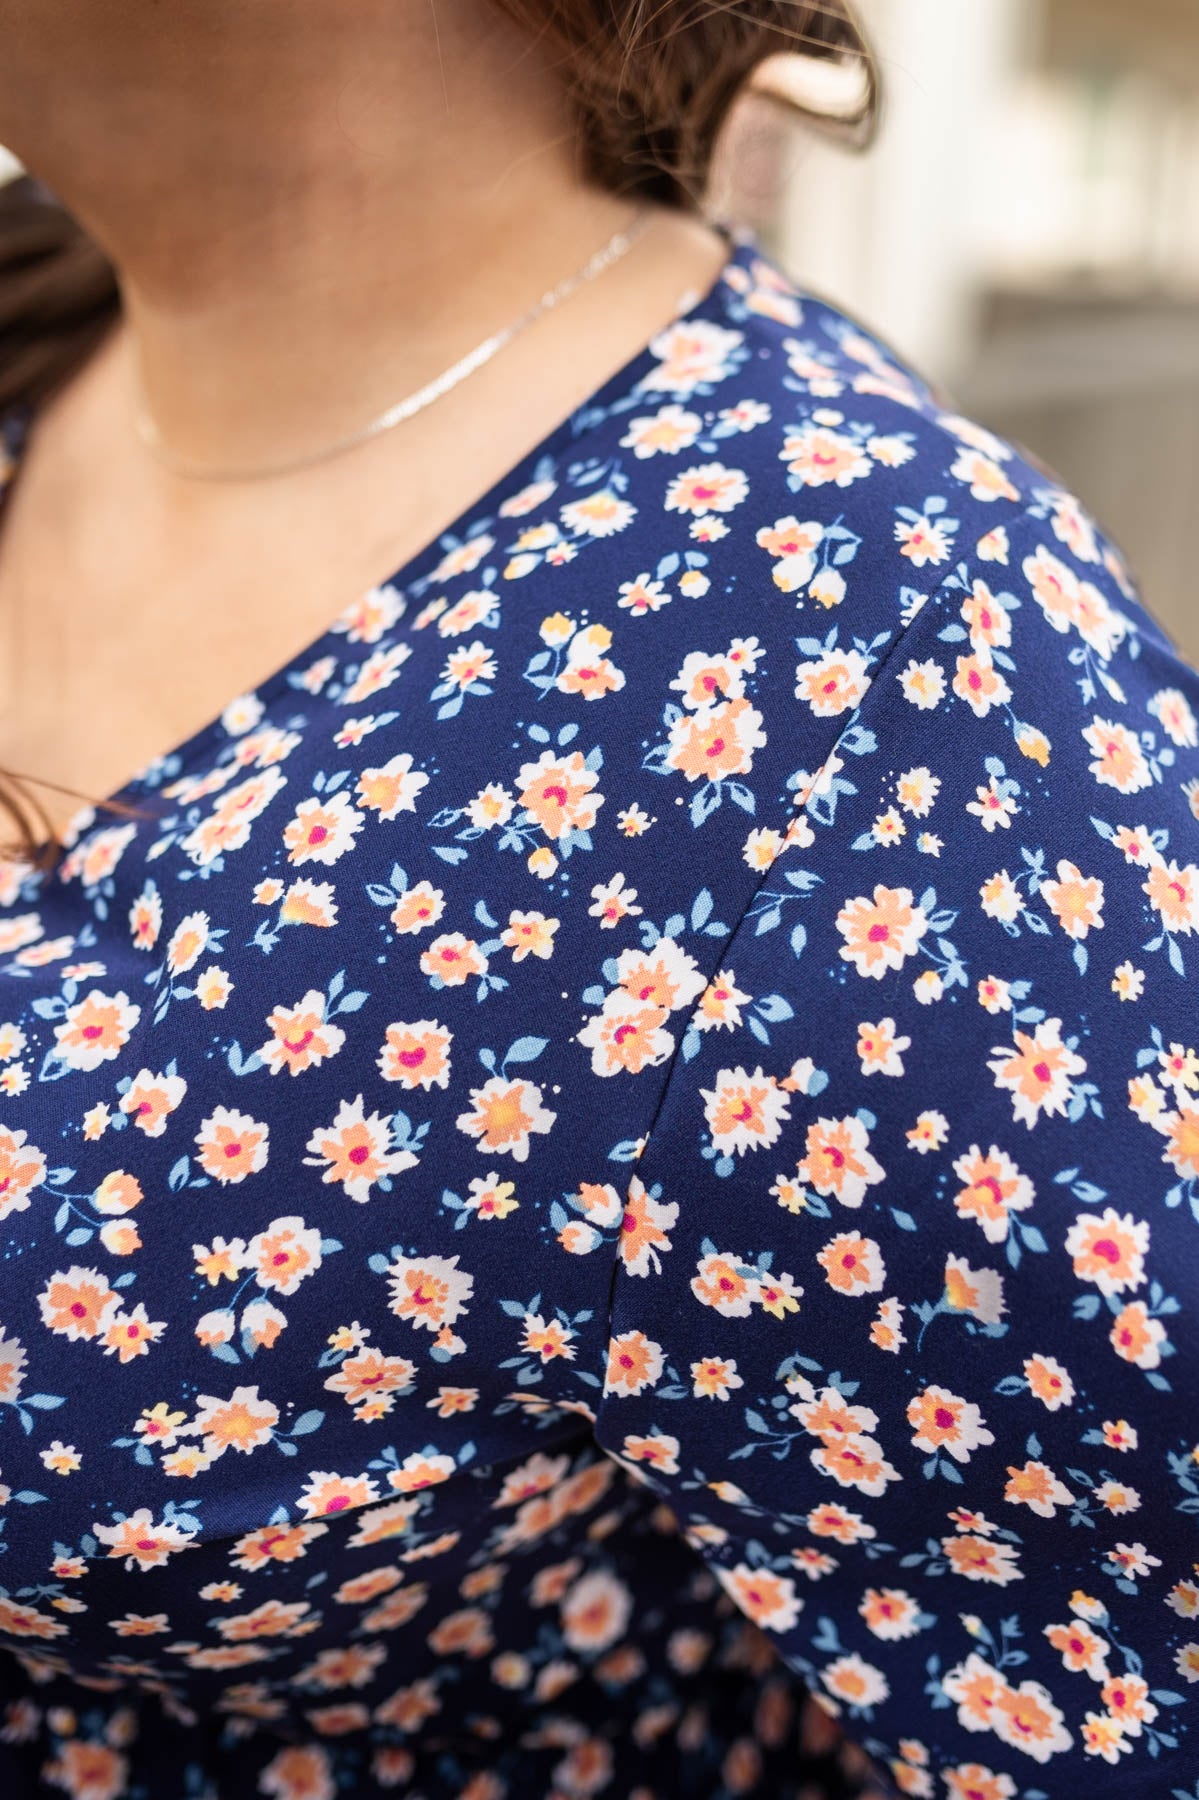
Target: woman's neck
(313, 207)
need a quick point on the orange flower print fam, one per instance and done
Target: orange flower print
(715, 1378)
(300, 1039)
(1055, 588)
(453, 959)
(547, 1341)
(244, 1422)
(77, 1303)
(141, 1544)
(391, 789)
(370, 1373)
(978, 1292)
(720, 1004)
(151, 1099)
(1181, 1131)
(88, 1770)
(852, 1264)
(993, 1188)
(301, 1772)
(1027, 1719)
(22, 1168)
(769, 1600)
(418, 908)
(1136, 1337)
(95, 1030)
(944, 1421)
(273, 1543)
(744, 1112)
(709, 488)
(725, 1286)
(324, 1494)
(837, 1160)
(1126, 1697)
(228, 826)
(830, 1417)
(232, 1145)
(670, 429)
(117, 1194)
(978, 1559)
(626, 1036)
(1119, 762)
(665, 976)
(1036, 1072)
(1109, 1249)
(881, 1048)
(1049, 1381)
(880, 932)
(1075, 900)
(830, 1520)
(987, 621)
(979, 683)
(145, 918)
(530, 934)
(634, 1362)
(856, 1462)
(890, 1613)
(558, 793)
(690, 354)
(885, 1327)
(417, 1056)
(322, 831)
(274, 1618)
(127, 1335)
(356, 1151)
(973, 1781)
(644, 1230)
(794, 546)
(429, 1291)
(1173, 891)
(504, 1116)
(833, 683)
(27, 1622)
(12, 1368)
(368, 618)
(704, 678)
(1082, 1651)
(309, 903)
(600, 515)
(818, 456)
(188, 942)
(1036, 1486)
(99, 854)
(588, 672)
(716, 742)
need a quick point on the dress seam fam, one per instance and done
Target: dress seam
(899, 639)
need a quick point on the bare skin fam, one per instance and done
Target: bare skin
(313, 208)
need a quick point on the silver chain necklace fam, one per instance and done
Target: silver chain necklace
(616, 247)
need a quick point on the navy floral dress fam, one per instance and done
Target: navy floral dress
(600, 1183)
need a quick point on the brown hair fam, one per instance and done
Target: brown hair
(652, 83)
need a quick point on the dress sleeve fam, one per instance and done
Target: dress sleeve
(905, 1325)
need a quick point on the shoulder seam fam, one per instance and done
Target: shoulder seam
(898, 640)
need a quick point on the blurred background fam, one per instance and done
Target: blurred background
(1025, 230)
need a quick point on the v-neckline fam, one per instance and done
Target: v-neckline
(708, 307)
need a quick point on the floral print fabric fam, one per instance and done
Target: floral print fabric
(619, 1145)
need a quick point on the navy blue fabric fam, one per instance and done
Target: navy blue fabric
(601, 1183)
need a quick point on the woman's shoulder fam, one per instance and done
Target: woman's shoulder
(776, 401)
(804, 544)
